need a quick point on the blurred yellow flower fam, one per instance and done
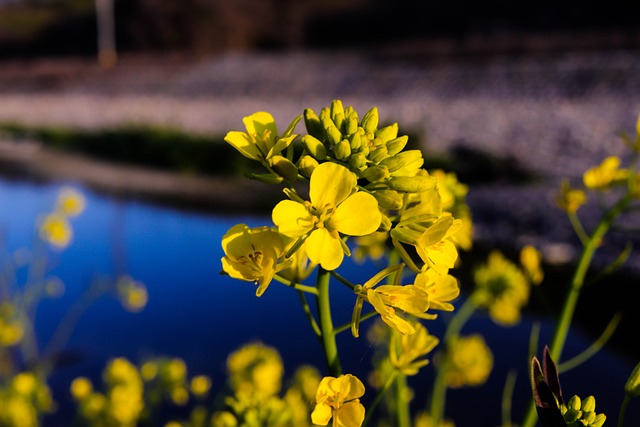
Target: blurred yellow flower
(469, 362)
(253, 254)
(70, 202)
(603, 175)
(81, 388)
(335, 208)
(339, 398)
(530, 259)
(502, 288)
(200, 385)
(255, 369)
(406, 352)
(423, 419)
(133, 295)
(570, 199)
(56, 230)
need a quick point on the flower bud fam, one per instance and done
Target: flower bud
(385, 224)
(342, 150)
(389, 199)
(356, 139)
(333, 134)
(599, 421)
(378, 154)
(574, 403)
(412, 184)
(396, 145)
(387, 133)
(314, 147)
(357, 161)
(312, 123)
(401, 160)
(306, 165)
(350, 123)
(283, 167)
(267, 178)
(632, 387)
(370, 120)
(337, 113)
(589, 404)
(375, 173)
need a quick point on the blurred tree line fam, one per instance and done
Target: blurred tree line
(68, 27)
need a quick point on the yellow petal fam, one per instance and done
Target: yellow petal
(244, 144)
(358, 215)
(388, 314)
(258, 122)
(330, 185)
(351, 414)
(292, 218)
(321, 415)
(324, 248)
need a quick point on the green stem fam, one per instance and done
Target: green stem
(328, 335)
(571, 301)
(623, 410)
(439, 392)
(385, 388)
(403, 412)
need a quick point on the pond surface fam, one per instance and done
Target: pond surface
(201, 316)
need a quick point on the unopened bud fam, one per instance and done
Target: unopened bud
(370, 120)
(389, 199)
(337, 113)
(385, 223)
(356, 139)
(350, 123)
(387, 133)
(412, 184)
(306, 165)
(357, 161)
(589, 404)
(333, 134)
(378, 154)
(375, 173)
(632, 386)
(396, 145)
(312, 123)
(314, 147)
(342, 150)
(283, 167)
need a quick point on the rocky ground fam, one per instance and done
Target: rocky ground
(549, 114)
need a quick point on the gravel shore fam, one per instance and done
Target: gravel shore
(551, 114)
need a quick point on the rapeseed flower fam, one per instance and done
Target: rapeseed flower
(441, 288)
(339, 398)
(56, 230)
(385, 299)
(260, 141)
(406, 352)
(252, 254)
(468, 361)
(335, 208)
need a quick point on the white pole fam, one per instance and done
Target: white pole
(107, 55)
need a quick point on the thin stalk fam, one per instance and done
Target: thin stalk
(385, 388)
(623, 410)
(403, 413)
(328, 335)
(577, 282)
(439, 393)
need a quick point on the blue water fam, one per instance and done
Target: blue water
(199, 315)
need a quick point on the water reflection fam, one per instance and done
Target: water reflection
(196, 314)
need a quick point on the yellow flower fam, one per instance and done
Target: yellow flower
(468, 361)
(502, 288)
(530, 260)
(260, 141)
(255, 370)
(406, 351)
(200, 385)
(441, 288)
(570, 199)
(252, 254)
(423, 419)
(70, 202)
(386, 298)
(55, 229)
(81, 388)
(602, 176)
(339, 398)
(335, 207)
(132, 294)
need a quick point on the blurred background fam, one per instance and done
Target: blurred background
(128, 101)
